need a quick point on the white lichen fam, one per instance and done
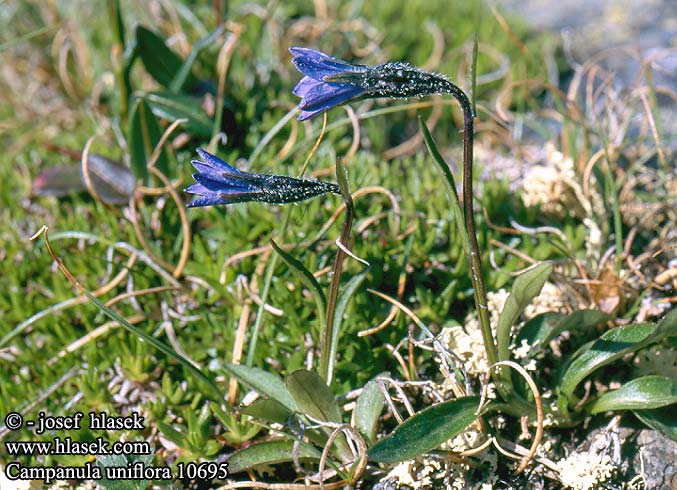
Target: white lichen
(467, 343)
(586, 470)
(555, 187)
(550, 299)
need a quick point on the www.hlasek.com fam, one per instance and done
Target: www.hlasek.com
(136, 470)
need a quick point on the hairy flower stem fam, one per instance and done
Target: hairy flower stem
(479, 288)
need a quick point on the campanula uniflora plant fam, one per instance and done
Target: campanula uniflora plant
(220, 183)
(329, 82)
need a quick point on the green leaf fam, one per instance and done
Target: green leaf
(456, 210)
(308, 280)
(540, 330)
(526, 287)
(663, 419)
(121, 461)
(368, 409)
(177, 106)
(313, 396)
(315, 399)
(667, 327)
(269, 410)
(185, 72)
(172, 434)
(264, 383)
(271, 452)
(614, 344)
(143, 135)
(647, 392)
(160, 62)
(426, 430)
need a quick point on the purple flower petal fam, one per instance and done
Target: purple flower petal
(207, 200)
(328, 94)
(216, 162)
(318, 65)
(209, 171)
(221, 185)
(304, 86)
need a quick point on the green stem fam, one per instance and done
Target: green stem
(479, 289)
(327, 334)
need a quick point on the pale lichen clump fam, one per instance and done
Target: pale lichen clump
(557, 190)
(5, 482)
(550, 299)
(466, 342)
(417, 475)
(432, 473)
(585, 471)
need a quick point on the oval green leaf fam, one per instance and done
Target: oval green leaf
(611, 346)
(642, 393)
(526, 287)
(269, 410)
(426, 430)
(368, 409)
(313, 396)
(271, 452)
(264, 383)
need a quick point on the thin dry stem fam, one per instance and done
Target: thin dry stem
(539, 412)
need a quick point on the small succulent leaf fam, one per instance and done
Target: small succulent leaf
(143, 135)
(271, 452)
(269, 410)
(172, 106)
(264, 383)
(203, 422)
(612, 345)
(211, 448)
(368, 408)
(226, 418)
(313, 396)
(172, 434)
(214, 390)
(305, 276)
(160, 62)
(426, 430)
(662, 419)
(643, 393)
(526, 287)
